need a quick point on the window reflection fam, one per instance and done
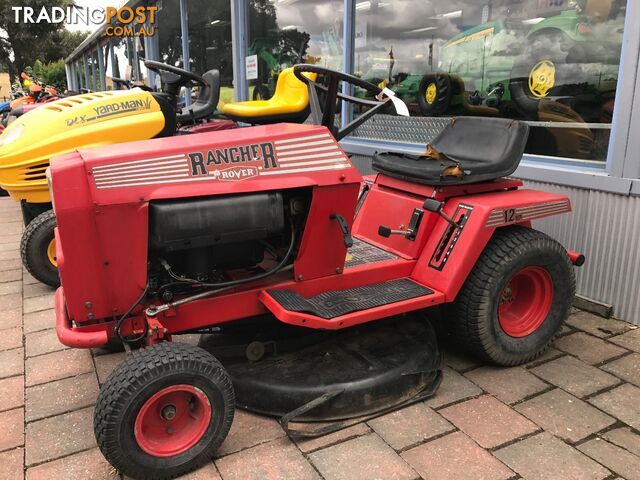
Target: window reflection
(553, 63)
(285, 32)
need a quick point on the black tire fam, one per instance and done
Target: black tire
(261, 92)
(474, 314)
(3, 193)
(144, 373)
(33, 249)
(441, 102)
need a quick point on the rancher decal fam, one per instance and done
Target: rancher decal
(260, 154)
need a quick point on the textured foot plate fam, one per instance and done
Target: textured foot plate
(335, 303)
(363, 253)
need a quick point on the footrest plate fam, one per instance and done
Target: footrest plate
(335, 303)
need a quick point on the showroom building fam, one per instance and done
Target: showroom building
(569, 68)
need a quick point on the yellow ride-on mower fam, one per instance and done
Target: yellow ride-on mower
(82, 121)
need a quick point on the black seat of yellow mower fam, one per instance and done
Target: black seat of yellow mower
(468, 150)
(290, 103)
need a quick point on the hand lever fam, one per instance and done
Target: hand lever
(348, 240)
(435, 206)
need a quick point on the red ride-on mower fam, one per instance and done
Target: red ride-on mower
(267, 239)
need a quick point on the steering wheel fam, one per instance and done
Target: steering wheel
(330, 87)
(173, 77)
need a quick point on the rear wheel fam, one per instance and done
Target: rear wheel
(434, 94)
(515, 299)
(164, 411)
(38, 249)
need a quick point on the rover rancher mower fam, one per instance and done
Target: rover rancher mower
(268, 239)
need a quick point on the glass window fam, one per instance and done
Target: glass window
(552, 63)
(169, 32)
(285, 32)
(210, 41)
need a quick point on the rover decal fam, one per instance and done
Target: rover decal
(207, 163)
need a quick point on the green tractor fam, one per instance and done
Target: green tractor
(501, 65)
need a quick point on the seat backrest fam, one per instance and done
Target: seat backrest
(206, 102)
(291, 91)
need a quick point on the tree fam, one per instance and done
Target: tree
(21, 44)
(51, 73)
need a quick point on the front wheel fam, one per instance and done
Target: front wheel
(516, 297)
(164, 411)
(38, 249)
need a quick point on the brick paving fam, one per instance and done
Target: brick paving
(574, 413)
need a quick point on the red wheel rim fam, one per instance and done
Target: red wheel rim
(525, 302)
(172, 420)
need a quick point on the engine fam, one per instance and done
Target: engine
(199, 241)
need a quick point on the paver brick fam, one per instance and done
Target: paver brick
(14, 263)
(507, 384)
(247, 430)
(275, 460)
(11, 363)
(455, 456)
(411, 425)
(106, 363)
(11, 301)
(12, 464)
(362, 458)
(627, 368)
(7, 288)
(57, 365)
(10, 318)
(613, 457)
(544, 457)
(625, 438)
(27, 279)
(208, 472)
(35, 304)
(12, 428)
(588, 348)
(42, 320)
(459, 360)
(59, 436)
(621, 402)
(454, 388)
(598, 326)
(630, 340)
(11, 393)
(564, 415)
(88, 465)
(61, 396)
(488, 421)
(10, 275)
(37, 290)
(307, 445)
(574, 376)
(11, 338)
(44, 341)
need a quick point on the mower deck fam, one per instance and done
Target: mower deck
(350, 373)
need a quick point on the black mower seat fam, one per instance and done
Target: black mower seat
(468, 150)
(207, 100)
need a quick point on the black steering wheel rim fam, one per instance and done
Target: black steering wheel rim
(187, 76)
(300, 69)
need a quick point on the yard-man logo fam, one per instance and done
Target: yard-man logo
(261, 155)
(109, 110)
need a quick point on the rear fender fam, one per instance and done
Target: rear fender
(450, 253)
